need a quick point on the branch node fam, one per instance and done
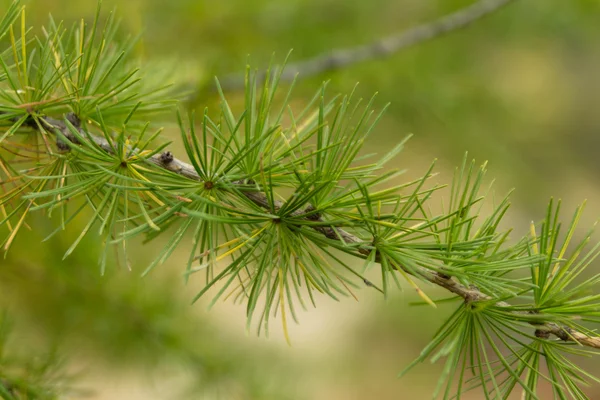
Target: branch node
(166, 157)
(542, 334)
(208, 185)
(565, 333)
(312, 217)
(61, 145)
(74, 120)
(443, 275)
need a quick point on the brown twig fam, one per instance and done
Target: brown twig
(384, 47)
(167, 161)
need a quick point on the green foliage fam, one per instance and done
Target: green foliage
(28, 376)
(275, 201)
(490, 344)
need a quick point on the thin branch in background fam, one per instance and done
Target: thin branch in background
(384, 47)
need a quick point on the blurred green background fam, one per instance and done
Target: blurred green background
(519, 88)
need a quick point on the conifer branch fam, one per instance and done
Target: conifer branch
(380, 48)
(225, 197)
(167, 161)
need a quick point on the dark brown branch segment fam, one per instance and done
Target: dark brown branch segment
(167, 161)
(384, 47)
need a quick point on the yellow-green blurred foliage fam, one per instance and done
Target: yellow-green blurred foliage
(520, 88)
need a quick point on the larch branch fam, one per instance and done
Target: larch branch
(168, 162)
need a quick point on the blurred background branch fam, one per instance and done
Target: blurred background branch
(380, 48)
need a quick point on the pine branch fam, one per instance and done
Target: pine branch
(381, 48)
(167, 161)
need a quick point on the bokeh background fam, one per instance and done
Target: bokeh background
(520, 88)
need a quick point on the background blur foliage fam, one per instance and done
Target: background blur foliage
(514, 88)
